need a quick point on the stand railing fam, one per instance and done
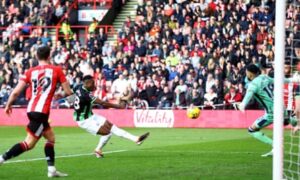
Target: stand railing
(66, 15)
(37, 31)
(101, 3)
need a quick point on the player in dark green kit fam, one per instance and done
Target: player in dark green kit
(260, 87)
(95, 124)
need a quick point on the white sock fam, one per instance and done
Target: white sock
(102, 142)
(1, 159)
(51, 168)
(122, 133)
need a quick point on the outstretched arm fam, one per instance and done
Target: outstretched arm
(108, 105)
(246, 100)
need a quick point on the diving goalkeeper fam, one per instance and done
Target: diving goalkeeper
(260, 87)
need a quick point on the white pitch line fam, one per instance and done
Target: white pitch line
(60, 157)
(117, 151)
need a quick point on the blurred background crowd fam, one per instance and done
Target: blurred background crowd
(174, 54)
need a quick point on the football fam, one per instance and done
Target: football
(193, 113)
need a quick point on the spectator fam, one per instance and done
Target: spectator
(66, 30)
(165, 98)
(210, 99)
(210, 82)
(106, 49)
(4, 93)
(119, 87)
(196, 98)
(180, 91)
(59, 12)
(172, 60)
(101, 37)
(93, 26)
(151, 90)
(140, 50)
(232, 97)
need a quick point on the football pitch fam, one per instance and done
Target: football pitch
(167, 154)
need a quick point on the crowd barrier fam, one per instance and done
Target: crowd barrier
(146, 118)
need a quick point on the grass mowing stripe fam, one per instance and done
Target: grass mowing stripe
(59, 157)
(202, 152)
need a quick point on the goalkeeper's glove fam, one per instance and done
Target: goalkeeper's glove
(241, 107)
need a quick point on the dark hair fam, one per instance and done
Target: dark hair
(43, 53)
(253, 68)
(87, 77)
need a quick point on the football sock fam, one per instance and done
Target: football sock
(16, 150)
(51, 168)
(261, 137)
(49, 152)
(102, 142)
(293, 121)
(120, 132)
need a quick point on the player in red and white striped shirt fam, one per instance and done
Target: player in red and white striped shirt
(291, 96)
(42, 80)
(289, 90)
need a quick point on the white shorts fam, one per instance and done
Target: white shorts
(92, 124)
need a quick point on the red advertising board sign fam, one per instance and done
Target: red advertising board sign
(146, 118)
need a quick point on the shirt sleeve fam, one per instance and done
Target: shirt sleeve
(61, 76)
(271, 79)
(249, 94)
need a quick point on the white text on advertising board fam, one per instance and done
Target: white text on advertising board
(153, 118)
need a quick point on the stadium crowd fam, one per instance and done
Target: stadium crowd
(174, 54)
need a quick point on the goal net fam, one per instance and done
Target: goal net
(291, 160)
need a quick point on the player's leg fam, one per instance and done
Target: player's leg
(297, 112)
(254, 129)
(50, 153)
(34, 132)
(19, 148)
(102, 142)
(106, 130)
(93, 125)
(290, 118)
(103, 130)
(108, 127)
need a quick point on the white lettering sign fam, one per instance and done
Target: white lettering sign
(154, 118)
(87, 15)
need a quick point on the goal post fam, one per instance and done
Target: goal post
(278, 89)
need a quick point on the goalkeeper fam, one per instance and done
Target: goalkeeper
(260, 87)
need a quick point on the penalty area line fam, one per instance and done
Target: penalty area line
(60, 157)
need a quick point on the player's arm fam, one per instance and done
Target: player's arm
(13, 96)
(246, 100)
(107, 104)
(67, 89)
(64, 83)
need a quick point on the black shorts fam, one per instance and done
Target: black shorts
(38, 123)
(297, 91)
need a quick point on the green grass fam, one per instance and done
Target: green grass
(167, 154)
